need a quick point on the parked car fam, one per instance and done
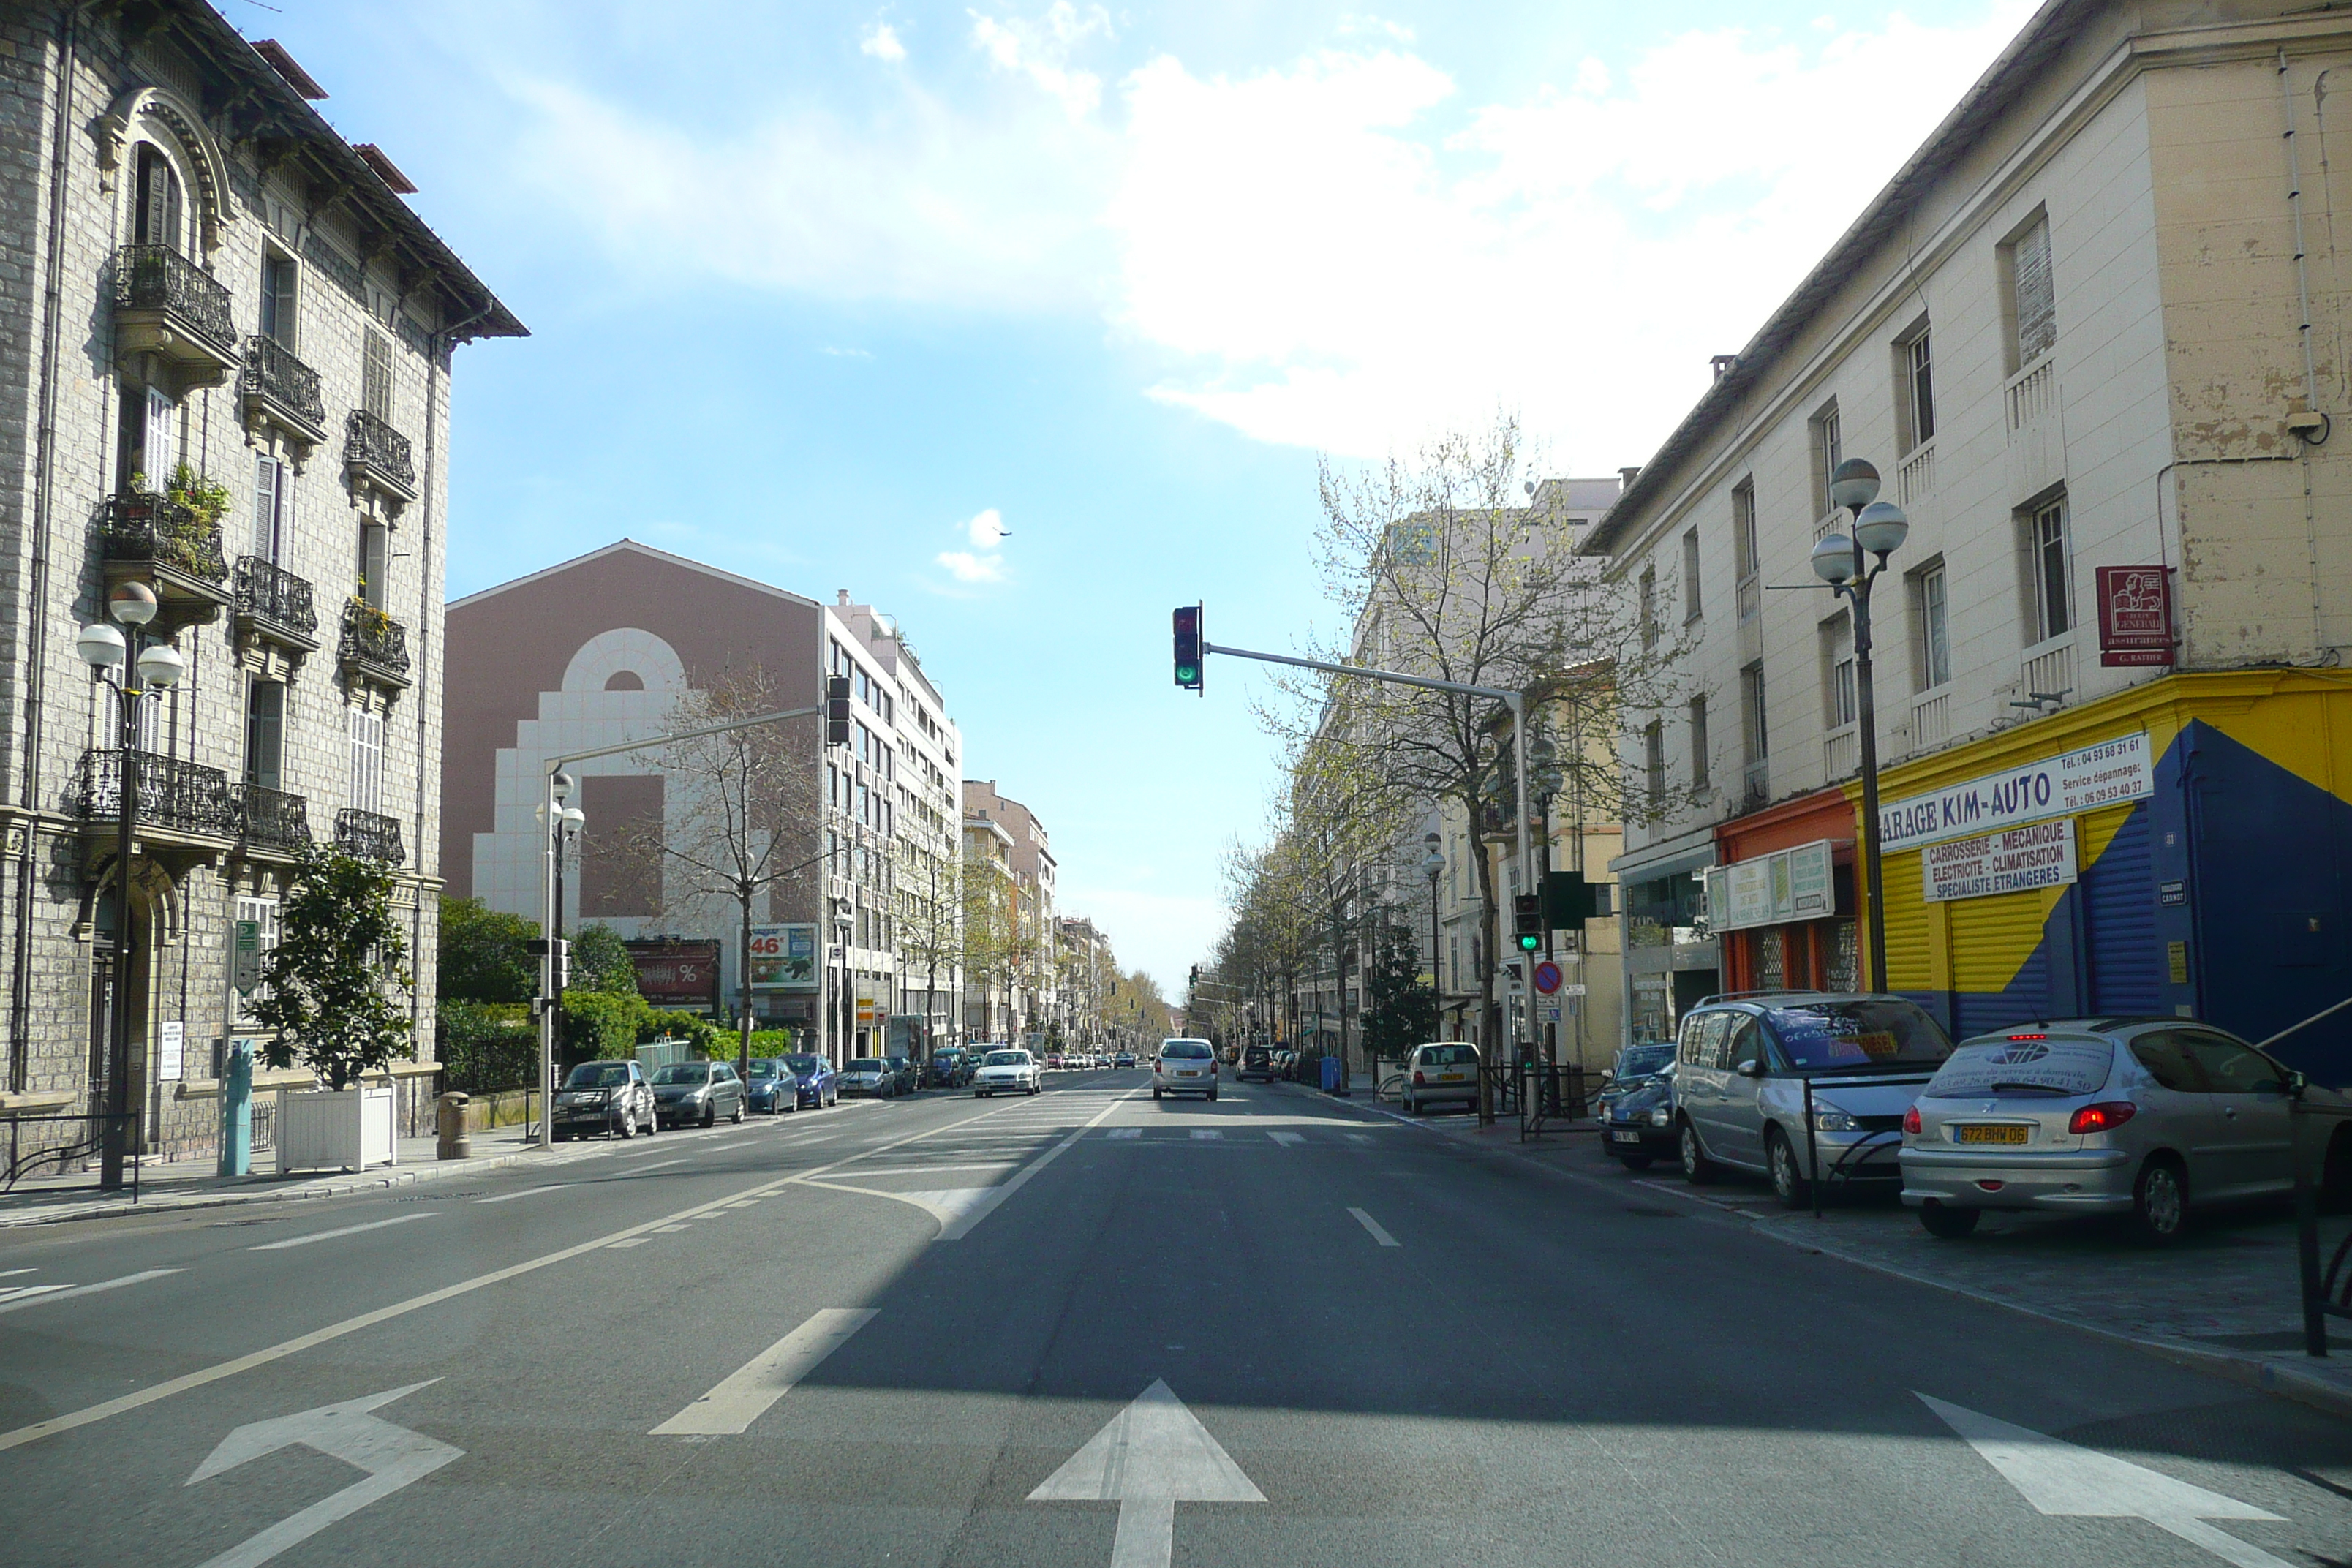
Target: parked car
(603, 1097)
(950, 1069)
(699, 1092)
(814, 1083)
(770, 1090)
(2156, 1118)
(1184, 1066)
(1124, 1059)
(1743, 1067)
(1444, 1072)
(1257, 1063)
(1008, 1069)
(1638, 1126)
(1635, 1065)
(869, 1078)
(904, 1077)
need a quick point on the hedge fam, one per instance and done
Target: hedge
(485, 1046)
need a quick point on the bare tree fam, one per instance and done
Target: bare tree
(929, 916)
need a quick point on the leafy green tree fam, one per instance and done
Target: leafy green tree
(1404, 1005)
(486, 954)
(600, 962)
(336, 985)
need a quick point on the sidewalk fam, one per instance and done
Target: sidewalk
(2227, 1300)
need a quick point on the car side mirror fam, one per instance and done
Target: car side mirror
(1752, 1067)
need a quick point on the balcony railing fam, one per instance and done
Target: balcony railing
(2032, 392)
(1756, 785)
(157, 277)
(2048, 670)
(1915, 481)
(375, 449)
(272, 594)
(1842, 752)
(138, 525)
(271, 818)
(174, 795)
(374, 641)
(370, 835)
(272, 372)
(1931, 721)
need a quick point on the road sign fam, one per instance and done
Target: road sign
(392, 1455)
(1546, 977)
(1152, 1456)
(1551, 1014)
(2058, 1477)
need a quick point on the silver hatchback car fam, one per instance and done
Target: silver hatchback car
(2149, 1117)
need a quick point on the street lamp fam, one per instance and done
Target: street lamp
(1432, 865)
(116, 655)
(1879, 531)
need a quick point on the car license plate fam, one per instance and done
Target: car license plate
(1983, 1135)
(1624, 1135)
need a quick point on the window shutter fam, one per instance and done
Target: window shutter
(375, 377)
(2036, 295)
(161, 440)
(367, 760)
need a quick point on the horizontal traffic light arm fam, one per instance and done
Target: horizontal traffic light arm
(1501, 694)
(651, 742)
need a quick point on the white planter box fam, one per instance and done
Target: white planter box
(336, 1130)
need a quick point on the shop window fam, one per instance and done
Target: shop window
(1771, 959)
(1839, 963)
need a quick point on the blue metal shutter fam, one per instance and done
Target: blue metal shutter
(2118, 894)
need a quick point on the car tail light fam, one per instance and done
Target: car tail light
(1911, 1119)
(2028, 1037)
(2104, 1117)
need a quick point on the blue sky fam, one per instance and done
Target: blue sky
(814, 287)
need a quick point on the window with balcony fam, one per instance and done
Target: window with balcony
(1916, 400)
(1699, 771)
(277, 311)
(1840, 705)
(2030, 293)
(2049, 571)
(375, 377)
(366, 731)
(157, 215)
(273, 510)
(1828, 443)
(1746, 558)
(265, 733)
(1931, 637)
(149, 449)
(374, 566)
(1691, 606)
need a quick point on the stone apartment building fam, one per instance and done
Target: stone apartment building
(202, 278)
(602, 649)
(2094, 336)
(1025, 861)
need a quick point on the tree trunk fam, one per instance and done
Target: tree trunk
(743, 1023)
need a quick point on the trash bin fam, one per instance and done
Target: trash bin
(1330, 1075)
(455, 1141)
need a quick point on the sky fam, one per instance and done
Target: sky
(1027, 322)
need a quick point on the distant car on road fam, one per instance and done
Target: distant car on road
(1125, 1060)
(1007, 1070)
(603, 1097)
(814, 1083)
(698, 1092)
(950, 1069)
(1184, 1066)
(1257, 1062)
(904, 1075)
(770, 1090)
(1444, 1072)
(1636, 1065)
(1637, 1127)
(869, 1078)
(1055, 1062)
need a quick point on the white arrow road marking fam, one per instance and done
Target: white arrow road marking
(1373, 1225)
(745, 1394)
(1152, 1456)
(2057, 1477)
(1286, 1139)
(392, 1455)
(48, 1293)
(526, 1193)
(330, 1235)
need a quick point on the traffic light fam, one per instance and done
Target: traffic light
(1527, 921)
(1195, 984)
(560, 974)
(1188, 647)
(1568, 900)
(836, 711)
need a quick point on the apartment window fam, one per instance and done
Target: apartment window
(1699, 744)
(1690, 575)
(149, 449)
(1649, 609)
(278, 299)
(1918, 389)
(1743, 528)
(375, 377)
(1931, 641)
(2032, 294)
(1654, 763)
(1754, 735)
(150, 719)
(265, 733)
(367, 760)
(1829, 451)
(156, 209)
(1839, 703)
(273, 509)
(374, 564)
(2051, 572)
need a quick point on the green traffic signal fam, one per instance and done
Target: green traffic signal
(1529, 942)
(1188, 675)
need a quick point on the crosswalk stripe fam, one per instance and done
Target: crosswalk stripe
(745, 1394)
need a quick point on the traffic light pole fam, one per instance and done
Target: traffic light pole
(1513, 700)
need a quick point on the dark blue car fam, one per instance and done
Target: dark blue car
(817, 1084)
(769, 1088)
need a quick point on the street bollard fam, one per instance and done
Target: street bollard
(456, 1142)
(236, 1110)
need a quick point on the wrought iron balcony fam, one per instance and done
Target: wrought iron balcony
(374, 644)
(279, 385)
(165, 304)
(275, 597)
(374, 453)
(174, 795)
(139, 525)
(369, 835)
(272, 819)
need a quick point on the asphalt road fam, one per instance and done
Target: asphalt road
(1083, 1329)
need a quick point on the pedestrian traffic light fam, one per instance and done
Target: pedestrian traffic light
(836, 711)
(1527, 921)
(1188, 647)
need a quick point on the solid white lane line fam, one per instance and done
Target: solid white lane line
(10, 1273)
(666, 1230)
(745, 1394)
(527, 1192)
(330, 1235)
(997, 1195)
(1286, 1139)
(631, 1241)
(1373, 1225)
(657, 1165)
(20, 1293)
(48, 1296)
(926, 1170)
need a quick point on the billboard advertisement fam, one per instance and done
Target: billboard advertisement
(677, 974)
(783, 957)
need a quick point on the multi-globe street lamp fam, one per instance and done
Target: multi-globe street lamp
(136, 668)
(1879, 530)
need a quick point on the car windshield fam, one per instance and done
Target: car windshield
(865, 1063)
(1858, 1034)
(1185, 1050)
(1638, 1060)
(801, 1064)
(598, 1075)
(762, 1067)
(684, 1072)
(1449, 1055)
(2023, 1067)
(1006, 1059)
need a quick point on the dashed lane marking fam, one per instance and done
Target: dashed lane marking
(745, 1394)
(339, 1230)
(1373, 1226)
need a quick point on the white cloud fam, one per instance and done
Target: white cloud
(881, 41)
(966, 567)
(1040, 49)
(987, 529)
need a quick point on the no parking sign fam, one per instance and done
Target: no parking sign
(1546, 977)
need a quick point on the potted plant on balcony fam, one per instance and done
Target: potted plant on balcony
(335, 992)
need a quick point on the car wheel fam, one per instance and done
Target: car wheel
(626, 1127)
(709, 1116)
(1788, 1183)
(1033, 1089)
(738, 1118)
(1947, 1222)
(1698, 1169)
(2161, 1202)
(1635, 1162)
